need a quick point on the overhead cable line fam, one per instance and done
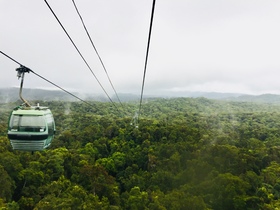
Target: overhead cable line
(147, 55)
(80, 54)
(29, 70)
(96, 51)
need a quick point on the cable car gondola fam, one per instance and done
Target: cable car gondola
(30, 128)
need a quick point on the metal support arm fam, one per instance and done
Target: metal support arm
(21, 70)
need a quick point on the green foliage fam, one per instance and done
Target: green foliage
(186, 154)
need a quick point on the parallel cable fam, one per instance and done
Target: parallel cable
(11, 58)
(96, 51)
(61, 88)
(80, 54)
(147, 55)
(29, 70)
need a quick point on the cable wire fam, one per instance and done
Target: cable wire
(80, 54)
(147, 55)
(11, 58)
(96, 51)
(29, 70)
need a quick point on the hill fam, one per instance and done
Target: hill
(264, 98)
(12, 94)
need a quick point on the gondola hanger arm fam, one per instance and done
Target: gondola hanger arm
(20, 74)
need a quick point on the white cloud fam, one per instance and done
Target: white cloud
(223, 46)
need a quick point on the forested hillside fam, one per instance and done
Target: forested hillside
(186, 153)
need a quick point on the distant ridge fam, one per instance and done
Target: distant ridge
(12, 94)
(196, 94)
(264, 98)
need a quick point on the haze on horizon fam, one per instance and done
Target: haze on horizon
(211, 46)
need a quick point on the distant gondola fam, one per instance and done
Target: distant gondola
(31, 128)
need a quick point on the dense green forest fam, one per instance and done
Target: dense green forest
(186, 153)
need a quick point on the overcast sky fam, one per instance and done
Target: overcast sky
(196, 45)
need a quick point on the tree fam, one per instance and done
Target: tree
(178, 199)
(136, 199)
(7, 185)
(96, 180)
(228, 192)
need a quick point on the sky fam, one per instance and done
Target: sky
(230, 46)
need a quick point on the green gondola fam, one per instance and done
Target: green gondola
(31, 128)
